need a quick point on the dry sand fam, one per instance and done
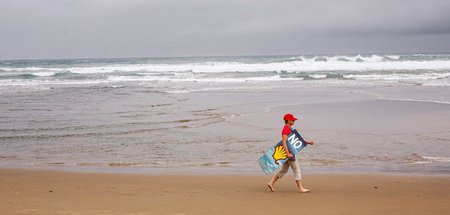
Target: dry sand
(52, 192)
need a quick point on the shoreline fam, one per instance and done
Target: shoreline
(55, 192)
(178, 171)
(218, 172)
(195, 171)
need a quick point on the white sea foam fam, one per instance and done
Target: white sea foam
(423, 70)
(318, 76)
(293, 66)
(399, 77)
(6, 83)
(12, 69)
(188, 78)
(44, 74)
(304, 65)
(416, 100)
(393, 57)
(438, 159)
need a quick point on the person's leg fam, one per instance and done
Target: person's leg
(297, 176)
(272, 183)
(277, 176)
(300, 188)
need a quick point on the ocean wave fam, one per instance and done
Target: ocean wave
(61, 75)
(356, 63)
(400, 76)
(67, 78)
(437, 159)
(425, 70)
(431, 159)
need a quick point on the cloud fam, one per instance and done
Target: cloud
(119, 28)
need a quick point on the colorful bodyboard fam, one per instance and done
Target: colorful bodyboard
(276, 156)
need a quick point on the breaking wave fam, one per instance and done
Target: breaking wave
(422, 69)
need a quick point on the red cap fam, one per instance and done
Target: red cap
(289, 116)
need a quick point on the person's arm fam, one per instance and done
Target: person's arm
(309, 142)
(286, 149)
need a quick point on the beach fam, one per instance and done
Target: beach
(52, 192)
(183, 135)
(177, 107)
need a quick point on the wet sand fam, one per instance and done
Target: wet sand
(25, 191)
(382, 128)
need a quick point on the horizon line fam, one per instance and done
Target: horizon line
(223, 56)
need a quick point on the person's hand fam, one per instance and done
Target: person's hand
(291, 157)
(310, 142)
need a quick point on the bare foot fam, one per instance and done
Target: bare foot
(271, 188)
(303, 190)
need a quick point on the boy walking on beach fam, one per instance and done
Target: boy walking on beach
(289, 120)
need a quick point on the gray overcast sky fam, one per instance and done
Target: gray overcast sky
(37, 29)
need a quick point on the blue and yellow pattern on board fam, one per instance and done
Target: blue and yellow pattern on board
(276, 156)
